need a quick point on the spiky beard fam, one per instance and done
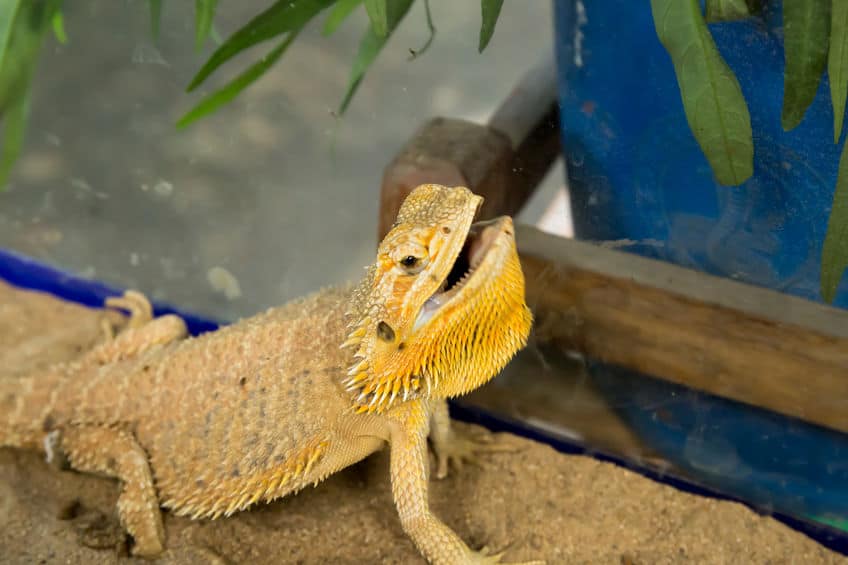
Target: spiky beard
(460, 349)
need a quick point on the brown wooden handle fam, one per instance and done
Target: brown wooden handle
(503, 161)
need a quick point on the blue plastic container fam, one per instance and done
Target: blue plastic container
(636, 173)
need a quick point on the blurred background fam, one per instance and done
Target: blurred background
(272, 196)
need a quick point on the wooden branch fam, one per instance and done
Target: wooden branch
(719, 336)
(503, 161)
(448, 152)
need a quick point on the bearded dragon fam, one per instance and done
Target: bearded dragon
(207, 426)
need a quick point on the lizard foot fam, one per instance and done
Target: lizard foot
(116, 453)
(98, 531)
(465, 447)
(485, 557)
(134, 302)
(141, 333)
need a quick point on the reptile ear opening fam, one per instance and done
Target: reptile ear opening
(385, 332)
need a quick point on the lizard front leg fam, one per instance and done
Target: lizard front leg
(116, 453)
(409, 469)
(455, 448)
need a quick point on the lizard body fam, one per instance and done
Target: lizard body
(208, 426)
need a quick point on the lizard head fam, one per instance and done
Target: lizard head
(441, 310)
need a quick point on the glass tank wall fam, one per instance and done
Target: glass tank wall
(231, 214)
(277, 194)
(697, 144)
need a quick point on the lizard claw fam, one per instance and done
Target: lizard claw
(484, 557)
(459, 449)
(135, 303)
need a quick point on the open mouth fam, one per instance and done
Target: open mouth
(478, 242)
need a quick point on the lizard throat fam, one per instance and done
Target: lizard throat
(463, 335)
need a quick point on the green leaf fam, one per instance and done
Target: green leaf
(9, 71)
(339, 14)
(155, 17)
(834, 258)
(23, 25)
(837, 64)
(283, 17)
(216, 37)
(15, 45)
(805, 42)
(712, 99)
(727, 10)
(14, 130)
(204, 14)
(378, 14)
(59, 27)
(490, 9)
(231, 90)
(370, 46)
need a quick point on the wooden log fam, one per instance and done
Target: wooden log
(452, 153)
(503, 161)
(719, 336)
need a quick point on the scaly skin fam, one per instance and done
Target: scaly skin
(208, 426)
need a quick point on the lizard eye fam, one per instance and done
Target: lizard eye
(411, 258)
(412, 264)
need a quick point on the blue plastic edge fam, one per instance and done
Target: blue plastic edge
(24, 272)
